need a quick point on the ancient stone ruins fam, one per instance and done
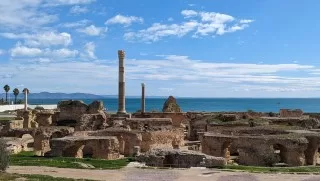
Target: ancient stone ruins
(170, 138)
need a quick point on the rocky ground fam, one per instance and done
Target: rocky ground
(131, 173)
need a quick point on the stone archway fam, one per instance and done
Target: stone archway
(225, 150)
(73, 151)
(280, 151)
(87, 152)
(56, 134)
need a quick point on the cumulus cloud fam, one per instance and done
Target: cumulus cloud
(24, 13)
(41, 39)
(67, 2)
(124, 20)
(78, 10)
(24, 51)
(89, 51)
(198, 24)
(158, 31)
(75, 24)
(189, 13)
(92, 30)
(2, 52)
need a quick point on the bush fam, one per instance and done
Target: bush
(39, 108)
(19, 101)
(4, 156)
(271, 114)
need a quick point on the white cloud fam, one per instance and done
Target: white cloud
(158, 31)
(24, 13)
(20, 50)
(246, 21)
(41, 39)
(170, 19)
(189, 13)
(67, 2)
(92, 30)
(168, 73)
(89, 51)
(2, 52)
(199, 24)
(23, 51)
(124, 20)
(217, 18)
(63, 53)
(75, 24)
(78, 10)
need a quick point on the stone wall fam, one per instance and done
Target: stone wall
(127, 139)
(294, 121)
(43, 136)
(179, 159)
(287, 113)
(13, 124)
(148, 123)
(36, 118)
(171, 105)
(99, 147)
(258, 150)
(91, 122)
(178, 119)
(162, 139)
(82, 116)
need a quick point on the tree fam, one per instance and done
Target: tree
(26, 90)
(4, 155)
(16, 93)
(7, 89)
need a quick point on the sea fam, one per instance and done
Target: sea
(310, 105)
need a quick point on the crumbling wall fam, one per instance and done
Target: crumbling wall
(28, 118)
(13, 124)
(44, 118)
(91, 122)
(36, 118)
(148, 123)
(179, 159)
(178, 119)
(291, 121)
(258, 150)
(127, 139)
(287, 113)
(101, 147)
(82, 116)
(43, 135)
(171, 105)
(162, 139)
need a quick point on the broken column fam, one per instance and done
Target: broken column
(143, 100)
(26, 92)
(121, 93)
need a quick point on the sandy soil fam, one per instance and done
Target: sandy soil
(136, 174)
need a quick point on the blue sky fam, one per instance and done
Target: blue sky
(191, 48)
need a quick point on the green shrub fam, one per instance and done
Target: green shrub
(271, 114)
(39, 108)
(4, 156)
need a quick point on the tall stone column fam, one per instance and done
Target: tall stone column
(25, 100)
(143, 100)
(121, 93)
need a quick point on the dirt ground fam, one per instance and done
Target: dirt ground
(137, 174)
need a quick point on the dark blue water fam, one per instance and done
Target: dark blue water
(210, 104)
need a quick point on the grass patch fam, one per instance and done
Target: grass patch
(302, 169)
(4, 119)
(7, 176)
(29, 159)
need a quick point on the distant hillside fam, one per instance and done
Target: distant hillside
(48, 95)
